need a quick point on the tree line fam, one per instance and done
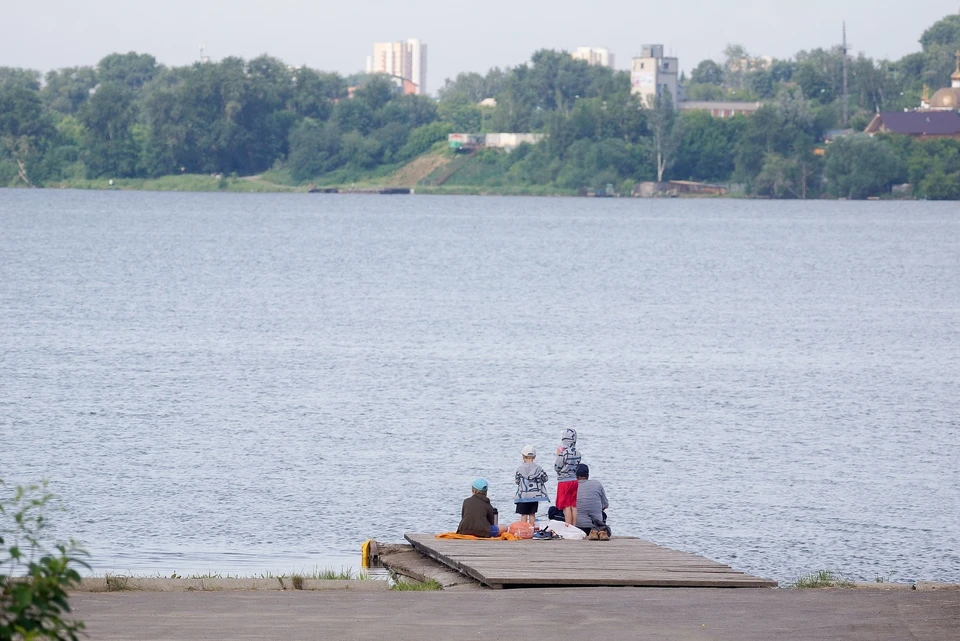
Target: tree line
(129, 116)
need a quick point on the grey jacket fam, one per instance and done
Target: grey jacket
(531, 480)
(569, 458)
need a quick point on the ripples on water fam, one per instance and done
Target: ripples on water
(246, 382)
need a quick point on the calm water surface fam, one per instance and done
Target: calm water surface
(246, 382)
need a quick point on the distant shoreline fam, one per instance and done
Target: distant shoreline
(193, 183)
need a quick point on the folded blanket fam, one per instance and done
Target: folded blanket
(504, 536)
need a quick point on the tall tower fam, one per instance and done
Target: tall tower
(418, 65)
(653, 75)
(846, 114)
(404, 60)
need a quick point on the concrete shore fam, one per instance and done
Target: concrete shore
(610, 613)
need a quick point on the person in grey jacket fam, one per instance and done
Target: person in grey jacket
(531, 486)
(566, 466)
(592, 506)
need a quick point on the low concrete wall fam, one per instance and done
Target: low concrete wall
(124, 583)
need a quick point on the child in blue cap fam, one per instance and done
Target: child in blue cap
(477, 517)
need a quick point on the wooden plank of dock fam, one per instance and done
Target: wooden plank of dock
(621, 561)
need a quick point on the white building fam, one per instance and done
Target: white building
(404, 59)
(653, 74)
(596, 56)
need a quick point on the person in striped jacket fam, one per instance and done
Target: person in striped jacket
(568, 458)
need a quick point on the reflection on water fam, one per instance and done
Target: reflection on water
(230, 383)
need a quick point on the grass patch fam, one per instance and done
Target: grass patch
(429, 586)
(117, 583)
(494, 190)
(822, 579)
(184, 182)
(324, 574)
(329, 574)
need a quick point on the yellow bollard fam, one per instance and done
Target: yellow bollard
(365, 554)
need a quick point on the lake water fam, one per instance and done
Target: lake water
(262, 382)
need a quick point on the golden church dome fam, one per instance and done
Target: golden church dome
(947, 98)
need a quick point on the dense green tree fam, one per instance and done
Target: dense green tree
(66, 90)
(814, 82)
(462, 116)
(938, 185)
(783, 129)
(699, 91)
(860, 166)
(411, 111)
(708, 73)
(943, 33)
(27, 133)
(313, 94)
(779, 177)
(924, 158)
(736, 65)
(471, 87)
(15, 77)
(108, 119)
(133, 70)
(423, 138)
(760, 83)
(554, 81)
(665, 132)
(782, 70)
(314, 149)
(361, 152)
(707, 146)
(355, 115)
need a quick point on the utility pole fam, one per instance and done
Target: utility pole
(846, 115)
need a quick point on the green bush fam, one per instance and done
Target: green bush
(423, 138)
(33, 578)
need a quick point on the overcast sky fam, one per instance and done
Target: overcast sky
(462, 36)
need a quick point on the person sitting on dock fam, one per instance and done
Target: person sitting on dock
(477, 517)
(591, 505)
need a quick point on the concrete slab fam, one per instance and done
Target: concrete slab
(421, 568)
(678, 614)
(141, 584)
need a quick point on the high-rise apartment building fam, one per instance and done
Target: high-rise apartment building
(653, 74)
(597, 56)
(404, 59)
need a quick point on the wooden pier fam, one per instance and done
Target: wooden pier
(621, 561)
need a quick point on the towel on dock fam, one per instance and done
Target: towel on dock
(504, 536)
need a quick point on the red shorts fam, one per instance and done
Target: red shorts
(567, 494)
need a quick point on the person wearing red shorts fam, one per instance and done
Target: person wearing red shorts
(566, 466)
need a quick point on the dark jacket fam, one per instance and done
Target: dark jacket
(476, 516)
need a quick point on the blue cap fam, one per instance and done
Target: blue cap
(480, 485)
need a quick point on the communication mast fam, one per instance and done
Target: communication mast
(846, 115)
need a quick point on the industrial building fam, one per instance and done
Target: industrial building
(507, 141)
(652, 75)
(722, 108)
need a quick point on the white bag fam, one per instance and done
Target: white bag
(566, 531)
